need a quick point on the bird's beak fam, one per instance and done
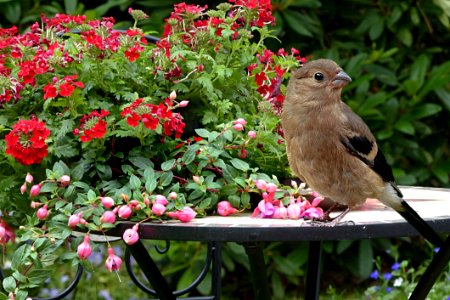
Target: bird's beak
(341, 79)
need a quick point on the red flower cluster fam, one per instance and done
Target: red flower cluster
(64, 87)
(26, 141)
(263, 9)
(93, 126)
(152, 115)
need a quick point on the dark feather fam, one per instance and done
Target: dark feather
(360, 146)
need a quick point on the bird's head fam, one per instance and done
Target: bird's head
(320, 75)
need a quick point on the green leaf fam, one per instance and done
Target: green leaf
(295, 21)
(166, 178)
(423, 111)
(419, 69)
(202, 132)
(20, 256)
(91, 196)
(135, 182)
(168, 165)
(404, 126)
(189, 156)
(9, 284)
(405, 36)
(240, 164)
(365, 258)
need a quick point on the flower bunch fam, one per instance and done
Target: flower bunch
(106, 126)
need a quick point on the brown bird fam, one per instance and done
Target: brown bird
(331, 148)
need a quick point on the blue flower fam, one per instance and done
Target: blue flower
(105, 295)
(387, 276)
(374, 274)
(396, 266)
(64, 278)
(388, 289)
(436, 250)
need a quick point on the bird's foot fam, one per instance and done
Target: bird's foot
(327, 221)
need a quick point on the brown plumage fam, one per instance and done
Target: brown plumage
(332, 149)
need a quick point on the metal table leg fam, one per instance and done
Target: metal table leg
(437, 265)
(313, 271)
(151, 271)
(257, 270)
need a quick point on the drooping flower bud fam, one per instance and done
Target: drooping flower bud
(185, 215)
(108, 217)
(107, 202)
(158, 209)
(173, 95)
(131, 235)
(125, 212)
(294, 210)
(183, 103)
(173, 195)
(238, 127)
(35, 190)
(280, 212)
(74, 220)
(261, 184)
(29, 178)
(271, 187)
(65, 180)
(23, 188)
(113, 262)
(84, 249)
(161, 199)
(252, 134)
(42, 213)
(241, 121)
(224, 208)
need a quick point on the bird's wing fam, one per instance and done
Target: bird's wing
(359, 141)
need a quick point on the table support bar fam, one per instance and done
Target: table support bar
(313, 270)
(258, 274)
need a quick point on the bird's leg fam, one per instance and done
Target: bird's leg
(327, 221)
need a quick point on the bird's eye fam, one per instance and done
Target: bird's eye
(318, 76)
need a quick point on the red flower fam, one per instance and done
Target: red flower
(66, 89)
(93, 126)
(134, 52)
(50, 91)
(26, 142)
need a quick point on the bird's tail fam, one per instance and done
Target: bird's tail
(421, 226)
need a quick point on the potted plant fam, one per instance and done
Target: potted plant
(100, 125)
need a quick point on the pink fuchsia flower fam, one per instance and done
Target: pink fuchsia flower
(224, 208)
(23, 188)
(6, 233)
(271, 187)
(261, 184)
(183, 103)
(158, 209)
(161, 199)
(107, 202)
(241, 121)
(280, 212)
(74, 220)
(65, 180)
(113, 262)
(266, 209)
(173, 96)
(35, 190)
(313, 213)
(29, 178)
(173, 195)
(108, 217)
(131, 235)
(238, 127)
(42, 213)
(294, 210)
(252, 134)
(185, 215)
(125, 212)
(84, 249)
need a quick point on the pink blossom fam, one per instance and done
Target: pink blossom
(185, 215)
(252, 134)
(293, 210)
(65, 180)
(84, 249)
(108, 217)
(42, 213)
(29, 178)
(183, 103)
(161, 200)
(266, 208)
(280, 212)
(173, 195)
(241, 121)
(23, 188)
(261, 184)
(313, 213)
(107, 202)
(224, 208)
(316, 201)
(2, 231)
(271, 187)
(35, 190)
(238, 127)
(173, 95)
(113, 262)
(158, 209)
(125, 211)
(74, 220)
(131, 235)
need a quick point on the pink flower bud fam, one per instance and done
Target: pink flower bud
(280, 212)
(107, 202)
(196, 179)
(113, 262)
(313, 213)
(65, 180)
(2, 232)
(241, 121)
(224, 208)
(23, 188)
(185, 215)
(131, 236)
(29, 178)
(134, 204)
(161, 200)
(183, 103)
(35, 204)
(173, 95)
(35, 190)
(146, 201)
(316, 201)
(243, 153)
(261, 184)
(108, 217)
(74, 220)
(125, 212)
(294, 211)
(173, 195)
(238, 127)
(42, 213)
(84, 249)
(252, 134)
(158, 209)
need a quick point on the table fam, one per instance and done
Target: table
(372, 220)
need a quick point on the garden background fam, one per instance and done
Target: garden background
(397, 55)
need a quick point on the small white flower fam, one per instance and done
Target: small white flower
(398, 282)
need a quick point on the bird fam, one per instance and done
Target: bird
(332, 150)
